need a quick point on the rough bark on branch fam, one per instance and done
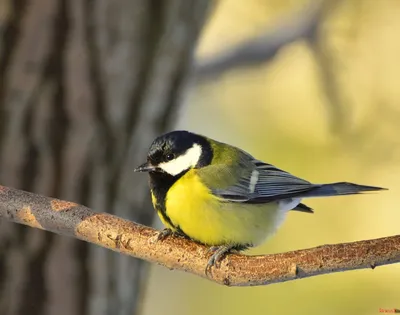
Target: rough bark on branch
(71, 219)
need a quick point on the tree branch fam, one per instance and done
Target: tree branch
(71, 219)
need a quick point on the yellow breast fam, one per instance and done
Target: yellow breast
(207, 219)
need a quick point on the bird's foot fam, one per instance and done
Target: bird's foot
(162, 235)
(218, 253)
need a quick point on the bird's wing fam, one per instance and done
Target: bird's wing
(253, 181)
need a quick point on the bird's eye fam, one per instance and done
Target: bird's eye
(170, 156)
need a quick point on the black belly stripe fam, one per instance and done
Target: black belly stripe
(162, 211)
(160, 183)
(165, 217)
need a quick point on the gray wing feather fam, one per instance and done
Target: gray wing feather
(248, 180)
(265, 183)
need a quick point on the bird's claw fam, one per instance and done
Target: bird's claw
(162, 235)
(212, 250)
(218, 253)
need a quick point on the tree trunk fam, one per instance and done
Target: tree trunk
(85, 86)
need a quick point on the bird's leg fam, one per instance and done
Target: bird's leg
(164, 234)
(218, 253)
(169, 232)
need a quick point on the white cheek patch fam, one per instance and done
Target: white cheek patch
(183, 162)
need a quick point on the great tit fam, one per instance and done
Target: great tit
(221, 196)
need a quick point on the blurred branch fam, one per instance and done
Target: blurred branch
(337, 114)
(71, 219)
(302, 25)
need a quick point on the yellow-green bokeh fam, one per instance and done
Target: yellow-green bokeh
(279, 112)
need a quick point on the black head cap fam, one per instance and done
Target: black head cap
(173, 144)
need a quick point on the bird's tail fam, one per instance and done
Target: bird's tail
(342, 188)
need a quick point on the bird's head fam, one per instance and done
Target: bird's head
(176, 152)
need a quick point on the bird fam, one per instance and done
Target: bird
(219, 195)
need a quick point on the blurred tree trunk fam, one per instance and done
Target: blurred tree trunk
(85, 86)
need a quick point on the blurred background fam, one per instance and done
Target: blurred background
(309, 86)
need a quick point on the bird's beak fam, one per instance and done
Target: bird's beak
(145, 167)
